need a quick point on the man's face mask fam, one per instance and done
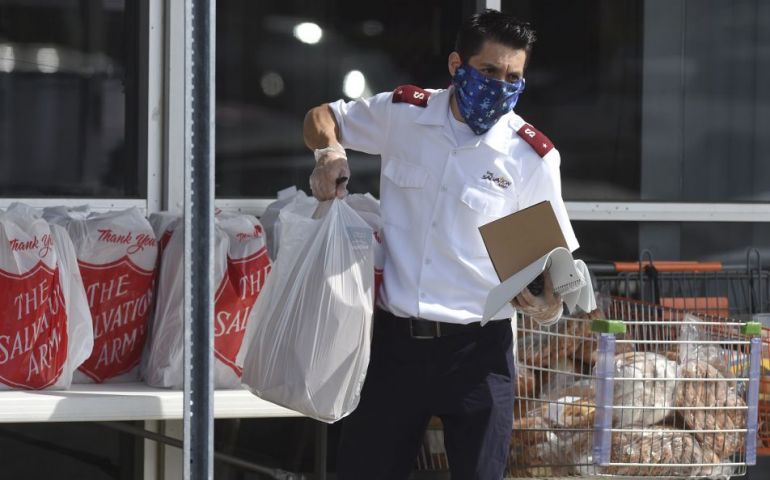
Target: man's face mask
(482, 100)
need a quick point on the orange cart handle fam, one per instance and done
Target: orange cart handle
(670, 266)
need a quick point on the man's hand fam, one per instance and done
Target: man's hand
(331, 173)
(545, 308)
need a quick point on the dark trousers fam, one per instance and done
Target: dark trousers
(465, 379)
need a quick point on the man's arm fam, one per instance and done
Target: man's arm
(320, 129)
(322, 135)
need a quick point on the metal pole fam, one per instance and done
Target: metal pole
(199, 238)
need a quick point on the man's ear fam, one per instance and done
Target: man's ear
(453, 62)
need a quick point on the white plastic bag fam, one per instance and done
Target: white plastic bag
(241, 265)
(269, 218)
(248, 266)
(61, 214)
(45, 332)
(307, 344)
(163, 224)
(117, 254)
(368, 208)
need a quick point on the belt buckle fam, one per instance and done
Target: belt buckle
(436, 328)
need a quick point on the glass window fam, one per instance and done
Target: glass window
(653, 99)
(701, 241)
(658, 100)
(277, 59)
(68, 99)
(737, 289)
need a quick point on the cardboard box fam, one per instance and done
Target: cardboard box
(521, 238)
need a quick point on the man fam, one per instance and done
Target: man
(452, 160)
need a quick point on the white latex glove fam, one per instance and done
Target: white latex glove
(330, 176)
(545, 308)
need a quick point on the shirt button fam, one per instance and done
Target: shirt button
(422, 295)
(433, 224)
(427, 261)
(443, 188)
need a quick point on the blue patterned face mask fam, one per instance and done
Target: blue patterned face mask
(482, 100)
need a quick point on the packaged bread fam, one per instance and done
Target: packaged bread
(585, 343)
(572, 407)
(666, 452)
(730, 413)
(652, 399)
(561, 375)
(661, 449)
(555, 457)
(529, 430)
(540, 346)
(716, 469)
(525, 382)
(694, 330)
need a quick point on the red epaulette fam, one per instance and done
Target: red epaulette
(536, 139)
(412, 95)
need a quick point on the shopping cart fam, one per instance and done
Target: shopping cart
(655, 392)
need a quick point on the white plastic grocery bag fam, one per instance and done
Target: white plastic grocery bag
(241, 265)
(248, 266)
(45, 329)
(117, 254)
(163, 224)
(299, 202)
(368, 208)
(307, 342)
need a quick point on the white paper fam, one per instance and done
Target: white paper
(565, 277)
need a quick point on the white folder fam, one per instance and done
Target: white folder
(567, 281)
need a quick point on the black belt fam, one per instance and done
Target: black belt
(422, 329)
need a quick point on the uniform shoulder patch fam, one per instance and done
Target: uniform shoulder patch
(412, 95)
(536, 139)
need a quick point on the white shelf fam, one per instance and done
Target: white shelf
(128, 401)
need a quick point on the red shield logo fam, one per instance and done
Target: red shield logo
(120, 298)
(235, 297)
(33, 331)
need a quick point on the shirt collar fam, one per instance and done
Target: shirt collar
(498, 137)
(437, 109)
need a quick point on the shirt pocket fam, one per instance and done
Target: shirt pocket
(405, 174)
(477, 206)
(403, 193)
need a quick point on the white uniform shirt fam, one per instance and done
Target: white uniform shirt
(435, 194)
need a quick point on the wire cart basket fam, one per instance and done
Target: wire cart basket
(654, 392)
(737, 291)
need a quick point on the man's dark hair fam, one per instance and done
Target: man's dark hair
(496, 26)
